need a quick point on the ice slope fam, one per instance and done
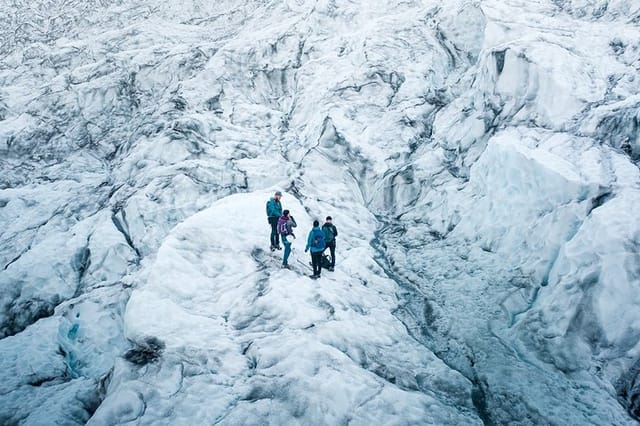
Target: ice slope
(480, 159)
(544, 204)
(244, 341)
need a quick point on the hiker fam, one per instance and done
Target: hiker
(330, 234)
(315, 243)
(286, 223)
(274, 211)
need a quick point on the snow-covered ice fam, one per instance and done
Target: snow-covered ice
(269, 343)
(480, 159)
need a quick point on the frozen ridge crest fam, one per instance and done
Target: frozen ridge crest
(480, 159)
(245, 340)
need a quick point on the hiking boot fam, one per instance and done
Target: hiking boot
(286, 266)
(331, 268)
(278, 247)
(272, 248)
(314, 276)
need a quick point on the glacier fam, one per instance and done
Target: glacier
(480, 159)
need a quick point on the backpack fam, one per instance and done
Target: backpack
(283, 229)
(318, 241)
(328, 234)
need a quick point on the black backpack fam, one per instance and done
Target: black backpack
(329, 236)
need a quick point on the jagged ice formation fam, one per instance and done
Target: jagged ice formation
(480, 159)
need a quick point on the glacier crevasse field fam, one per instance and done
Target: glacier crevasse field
(480, 159)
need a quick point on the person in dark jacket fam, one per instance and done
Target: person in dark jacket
(286, 223)
(315, 243)
(330, 234)
(274, 211)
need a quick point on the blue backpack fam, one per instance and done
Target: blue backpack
(318, 240)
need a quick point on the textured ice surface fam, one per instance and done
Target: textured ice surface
(269, 343)
(480, 159)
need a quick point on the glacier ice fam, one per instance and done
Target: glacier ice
(479, 157)
(270, 343)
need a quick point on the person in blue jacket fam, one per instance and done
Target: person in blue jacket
(315, 243)
(274, 211)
